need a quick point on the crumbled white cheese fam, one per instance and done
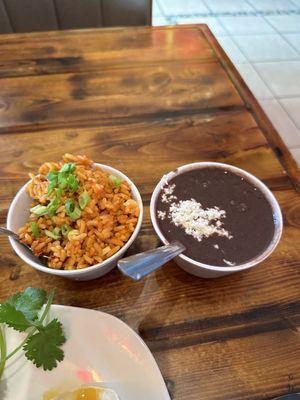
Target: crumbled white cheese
(169, 189)
(216, 246)
(161, 214)
(167, 194)
(228, 262)
(164, 198)
(192, 217)
(197, 221)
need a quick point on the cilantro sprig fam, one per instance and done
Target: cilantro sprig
(43, 340)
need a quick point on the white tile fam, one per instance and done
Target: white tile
(273, 5)
(221, 6)
(292, 106)
(294, 39)
(212, 22)
(156, 12)
(296, 154)
(231, 49)
(282, 122)
(180, 7)
(254, 81)
(285, 23)
(283, 78)
(246, 25)
(266, 48)
(159, 21)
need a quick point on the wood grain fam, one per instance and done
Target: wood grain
(139, 101)
(46, 53)
(99, 96)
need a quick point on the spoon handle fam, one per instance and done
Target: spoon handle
(140, 265)
(7, 232)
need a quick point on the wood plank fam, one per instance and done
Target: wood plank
(68, 99)
(88, 50)
(170, 142)
(257, 367)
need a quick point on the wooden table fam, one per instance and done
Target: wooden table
(146, 100)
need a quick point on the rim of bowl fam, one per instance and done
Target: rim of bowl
(277, 215)
(40, 267)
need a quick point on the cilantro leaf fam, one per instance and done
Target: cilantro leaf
(43, 348)
(13, 318)
(21, 309)
(28, 302)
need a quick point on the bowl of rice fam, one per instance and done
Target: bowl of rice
(82, 215)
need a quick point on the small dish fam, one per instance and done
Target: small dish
(18, 214)
(210, 271)
(99, 349)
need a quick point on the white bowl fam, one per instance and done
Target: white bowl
(212, 271)
(18, 214)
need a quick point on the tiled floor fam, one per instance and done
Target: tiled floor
(262, 37)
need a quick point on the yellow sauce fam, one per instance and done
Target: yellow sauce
(79, 394)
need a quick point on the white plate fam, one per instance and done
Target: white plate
(99, 348)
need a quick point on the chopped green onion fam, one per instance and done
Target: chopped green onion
(115, 181)
(73, 232)
(76, 213)
(51, 211)
(52, 179)
(62, 181)
(65, 229)
(84, 200)
(51, 186)
(54, 234)
(72, 183)
(39, 210)
(68, 168)
(64, 178)
(72, 210)
(54, 204)
(52, 175)
(35, 229)
(69, 206)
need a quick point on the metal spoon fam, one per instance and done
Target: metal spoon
(7, 232)
(140, 265)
